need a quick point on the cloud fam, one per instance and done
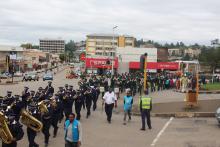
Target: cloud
(189, 21)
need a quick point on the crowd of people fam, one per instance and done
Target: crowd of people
(50, 107)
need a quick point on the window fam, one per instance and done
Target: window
(128, 44)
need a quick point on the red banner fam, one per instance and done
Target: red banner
(101, 63)
(82, 56)
(156, 65)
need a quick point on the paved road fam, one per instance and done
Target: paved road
(166, 132)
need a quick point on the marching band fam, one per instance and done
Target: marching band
(42, 109)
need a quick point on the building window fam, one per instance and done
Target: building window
(128, 44)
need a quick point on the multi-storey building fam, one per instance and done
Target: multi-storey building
(52, 45)
(175, 52)
(192, 52)
(6, 50)
(105, 44)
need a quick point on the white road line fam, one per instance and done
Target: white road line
(161, 132)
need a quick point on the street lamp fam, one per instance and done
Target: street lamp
(114, 49)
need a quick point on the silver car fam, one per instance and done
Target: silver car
(217, 115)
(30, 76)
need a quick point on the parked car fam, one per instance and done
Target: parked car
(5, 75)
(217, 115)
(18, 74)
(48, 76)
(30, 76)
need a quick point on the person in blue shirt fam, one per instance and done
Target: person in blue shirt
(128, 101)
(73, 132)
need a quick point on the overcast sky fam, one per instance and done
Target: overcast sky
(189, 21)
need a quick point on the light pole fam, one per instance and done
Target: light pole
(114, 49)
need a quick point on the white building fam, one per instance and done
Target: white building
(192, 52)
(6, 50)
(129, 54)
(133, 54)
(52, 45)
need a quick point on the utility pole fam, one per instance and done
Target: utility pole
(145, 72)
(114, 49)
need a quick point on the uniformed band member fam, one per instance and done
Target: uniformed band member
(49, 90)
(16, 130)
(72, 91)
(55, 113)
(88, 101)
(8, 99)
(145, 105)
(32, 109)
(110, 101)
(46, 120)
(66, 87)
(95, 96)
(25, 96)
(60, 95)
(67, 103)
(78, 104)
(40, 95)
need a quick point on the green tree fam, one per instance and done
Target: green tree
(186, 57)
(70, 46)
(210, 57)
(29, 46)
(26, 45)
(62, 57)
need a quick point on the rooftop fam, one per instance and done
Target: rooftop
(52, 39)
(107, 35)
(8, 48)
(102, 35)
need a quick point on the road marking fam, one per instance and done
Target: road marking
(161, 132)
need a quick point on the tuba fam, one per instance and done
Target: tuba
(5, 133)
(30, 121)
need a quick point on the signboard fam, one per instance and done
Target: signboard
(156, 65)
(13, 56)
(82, 56)
(100, 63)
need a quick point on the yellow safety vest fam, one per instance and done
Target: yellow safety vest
(146, 102)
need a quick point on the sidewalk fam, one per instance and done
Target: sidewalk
(16, 80)
(169, 102)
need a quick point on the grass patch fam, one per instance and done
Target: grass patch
(210, 86)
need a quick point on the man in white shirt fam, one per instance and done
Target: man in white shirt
(110, 101)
